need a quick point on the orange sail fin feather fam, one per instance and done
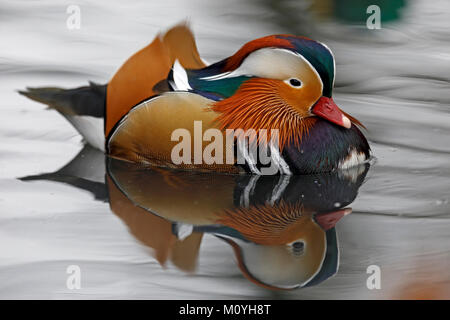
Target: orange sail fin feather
(135, 79)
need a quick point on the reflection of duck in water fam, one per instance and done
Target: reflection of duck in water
(281, 228)
(290, 250)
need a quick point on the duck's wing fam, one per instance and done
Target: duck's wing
(170, 124)
(137, 77)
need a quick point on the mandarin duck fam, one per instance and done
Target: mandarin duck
(279, 82)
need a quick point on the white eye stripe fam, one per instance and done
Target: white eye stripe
(271, 63)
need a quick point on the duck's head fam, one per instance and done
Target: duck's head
(279, 82)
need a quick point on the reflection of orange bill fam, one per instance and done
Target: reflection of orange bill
(328, 220)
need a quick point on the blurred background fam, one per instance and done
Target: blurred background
(394, 79)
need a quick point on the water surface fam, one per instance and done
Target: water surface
(395, 80)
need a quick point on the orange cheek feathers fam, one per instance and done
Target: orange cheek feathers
(300, 99)
(265, 104)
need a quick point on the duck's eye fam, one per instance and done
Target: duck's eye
(295, 82)
(297, 247)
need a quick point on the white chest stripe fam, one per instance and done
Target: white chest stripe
(278, 159)
(248, 191)
(283, 182)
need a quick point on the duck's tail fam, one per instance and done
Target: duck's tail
(83, 107)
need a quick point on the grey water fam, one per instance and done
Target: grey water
(57, 210)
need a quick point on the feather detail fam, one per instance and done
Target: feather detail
(256, 105)
(275, 41)
(267, 224)
(140, 76)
